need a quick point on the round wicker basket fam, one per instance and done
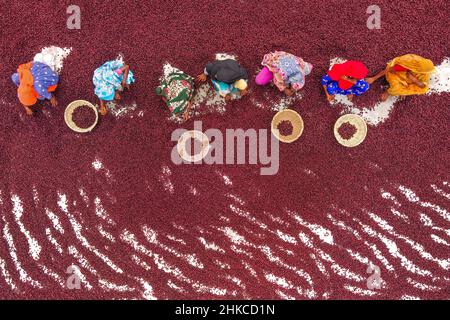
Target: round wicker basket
(69, 112)
(297, 125)
(360, 134)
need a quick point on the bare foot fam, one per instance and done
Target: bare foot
(228, 97)
(330, 98)
(384, 96)
(117, 96)
(29, 111)
(350, 97)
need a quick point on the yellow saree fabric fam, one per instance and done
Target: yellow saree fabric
(400, 84)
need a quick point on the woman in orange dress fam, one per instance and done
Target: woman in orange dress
(407, 75)
(35, 81)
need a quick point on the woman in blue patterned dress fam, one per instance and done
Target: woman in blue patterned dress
(35, 81)
(109, 79)
(346, 78)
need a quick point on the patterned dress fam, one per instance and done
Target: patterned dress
(333, 88)
(176, 90)
(399, 82)
(223, 88)
(288, 70)
(108, 79)
(45, 80)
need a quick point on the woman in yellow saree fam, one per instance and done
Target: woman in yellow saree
(407, 75)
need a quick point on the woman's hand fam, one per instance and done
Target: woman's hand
(125, 85)
(53, 101)
(421, 84)
(414, 79)
(349, 79)
(126, 70)
(329, 98)
(201, 78)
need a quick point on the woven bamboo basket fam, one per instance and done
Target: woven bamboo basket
(360, 134)
(297, 125)
(69, 112)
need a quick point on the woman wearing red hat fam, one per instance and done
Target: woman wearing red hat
(346, 78)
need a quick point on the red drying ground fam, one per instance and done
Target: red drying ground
(285, 128)
(347, 130)
(83, 116)
(139, 226)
